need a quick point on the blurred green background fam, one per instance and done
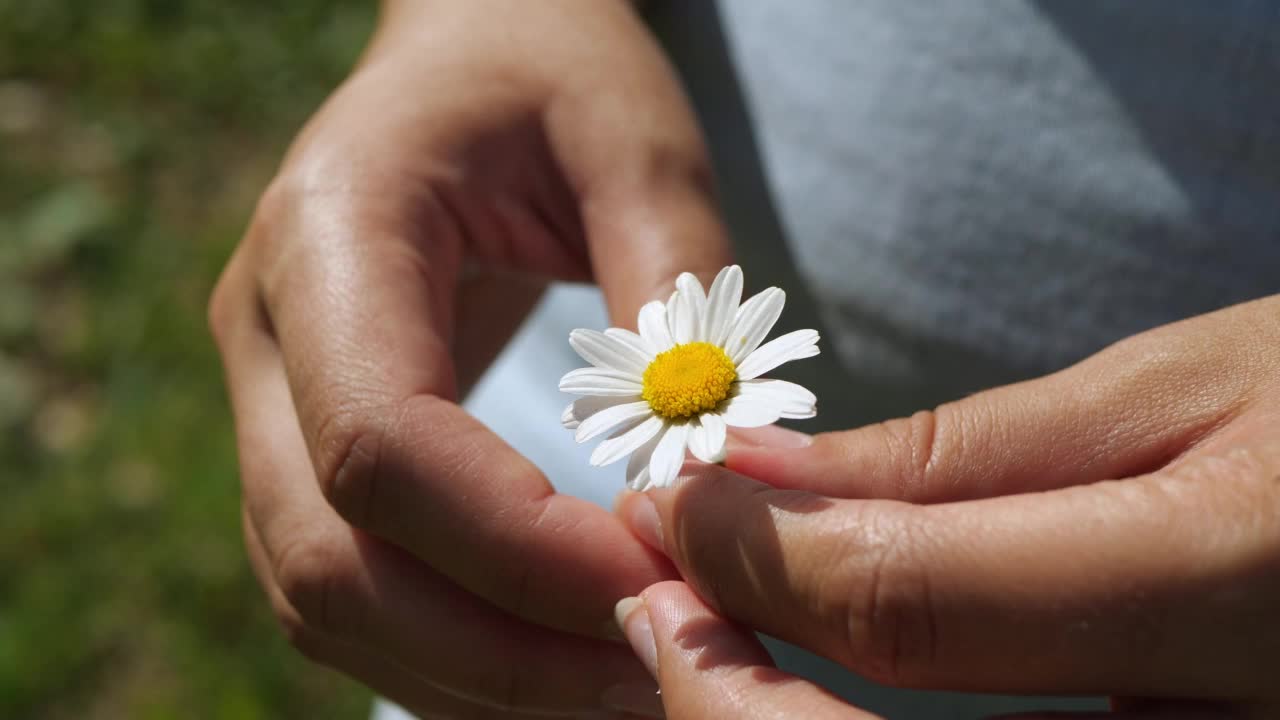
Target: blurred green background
(135, 136)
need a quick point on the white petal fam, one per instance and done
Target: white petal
(671, 315)
(585, 407)
(681, 319)
(668, 456)
(753, 322)
(653, 326)
(608, 353)
(792, 346)
(722, 305)
(638, 465)
(594, 381)
(633, 341)
(792, 400)
(691, 305)
(748, 412)
(616, 448)
(706, 438)
(610, 418)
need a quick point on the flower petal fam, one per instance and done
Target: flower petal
(792, 400)
(671, 316)
(638, 465)
(722, 305)
(792, 346)
(616, 448)
(706, 438)
(668, 455)
(608, 353)
(753, 322)
(747, 412)
(680, 319)
(691, 305)
(585, 407)
(610, 418)
(653, 326)
(633, 341)
(594, 381)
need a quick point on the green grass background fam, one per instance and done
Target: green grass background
(135, 136)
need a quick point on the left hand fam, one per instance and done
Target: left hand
(1110, 529)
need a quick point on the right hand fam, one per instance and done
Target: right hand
(398, 539)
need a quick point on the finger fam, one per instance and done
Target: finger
(635, 157)
(710, 668)
(361, 321)
(352, 586)
(388, 678)
(1117, 588)
(1124, 412)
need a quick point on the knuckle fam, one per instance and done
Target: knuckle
(312, 579)
(219, 313)
(890, 621)
(656, 166)
(349, 446)
(910, 446)
(276, 202)
(273, 234)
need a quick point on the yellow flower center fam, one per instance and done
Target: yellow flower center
(688, 379)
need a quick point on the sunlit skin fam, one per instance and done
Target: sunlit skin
(1110, 529)
(459, 167)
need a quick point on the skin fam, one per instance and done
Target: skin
(464, 162)
(1108, 529)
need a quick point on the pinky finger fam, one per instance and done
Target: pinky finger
(710, 668)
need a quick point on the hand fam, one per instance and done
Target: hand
(711, 668)
(1110, 529)
(478, 148)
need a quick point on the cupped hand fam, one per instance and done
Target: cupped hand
(478, 149)
(1112, 529)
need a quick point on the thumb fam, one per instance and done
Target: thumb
(1126, 411)
(633, 154)
(709, 667)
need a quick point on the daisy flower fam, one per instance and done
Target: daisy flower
(693, 370)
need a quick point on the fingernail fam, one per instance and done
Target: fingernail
(642, 516)
(770, 436)
(634, 621)
(642, 700)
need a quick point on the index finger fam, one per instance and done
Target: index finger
(1116, 588)
(631, 149)
(362, 318)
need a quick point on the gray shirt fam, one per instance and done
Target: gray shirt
(978, 192)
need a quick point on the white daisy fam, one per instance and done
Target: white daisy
(693, 369)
